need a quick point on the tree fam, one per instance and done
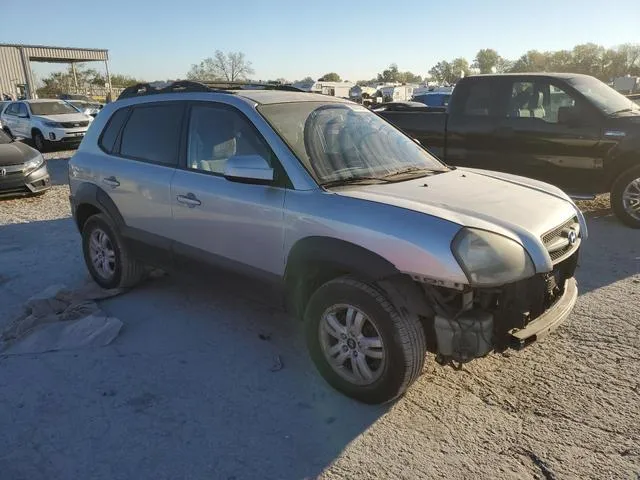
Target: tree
(230, 67)
(486, 60)
(390, 75)
(121, 81)
(532, 61)
(330, 77)
(450, 72)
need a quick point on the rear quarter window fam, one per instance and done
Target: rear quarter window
(112, 129)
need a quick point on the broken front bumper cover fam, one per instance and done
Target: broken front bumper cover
(549, 320)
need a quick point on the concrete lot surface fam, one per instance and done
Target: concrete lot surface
(187, 390)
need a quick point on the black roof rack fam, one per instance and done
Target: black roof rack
(199, 86)
(179, 86)
(223, 85)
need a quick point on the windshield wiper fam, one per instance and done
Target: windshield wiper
(411, 171)
(353, 180)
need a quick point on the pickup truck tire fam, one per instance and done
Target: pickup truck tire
(107, 258)
(360, 343)
(625, 197)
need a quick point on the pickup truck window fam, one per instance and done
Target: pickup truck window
(538, 99)
(336, 141)
(478, 101)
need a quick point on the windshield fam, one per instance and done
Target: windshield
(338, 141)
(602, 95)
(4, 138)
(79, 104)
(51, 108)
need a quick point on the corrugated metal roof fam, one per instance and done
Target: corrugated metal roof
(43, 53)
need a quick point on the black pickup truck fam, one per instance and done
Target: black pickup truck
(566, 129)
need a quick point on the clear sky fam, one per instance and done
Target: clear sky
(156, 40)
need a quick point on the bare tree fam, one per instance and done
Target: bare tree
(229, 67)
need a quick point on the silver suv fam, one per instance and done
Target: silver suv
(384, 252)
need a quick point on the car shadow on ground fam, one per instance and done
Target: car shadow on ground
(208, 376)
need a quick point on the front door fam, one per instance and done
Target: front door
(22, 122)
(236, 225)
(537, 138)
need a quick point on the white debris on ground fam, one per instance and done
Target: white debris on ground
(61, 319)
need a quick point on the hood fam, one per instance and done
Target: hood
(15, 153)
(65, 117)
(513, 206)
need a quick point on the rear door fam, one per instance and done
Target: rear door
(9, 117)
(472, 123)
(142, 145)
(534, 140)
(236, 225)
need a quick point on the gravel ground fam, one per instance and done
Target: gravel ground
(188, 391)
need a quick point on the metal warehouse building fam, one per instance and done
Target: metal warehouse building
(16, 77)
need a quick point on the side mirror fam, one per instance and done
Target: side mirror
(248, 169)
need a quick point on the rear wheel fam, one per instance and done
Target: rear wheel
(107, 258)
(38, 141)
(360, 343)
(625, 197)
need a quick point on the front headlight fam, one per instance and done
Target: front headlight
(53, 124)
(489, 259)
(34, 163)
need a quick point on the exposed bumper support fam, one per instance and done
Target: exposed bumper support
(549, 320)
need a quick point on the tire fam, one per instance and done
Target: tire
(402, 336)
(126, 271)
(625, 195)
(39, 142)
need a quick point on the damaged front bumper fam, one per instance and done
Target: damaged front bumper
(549, 320)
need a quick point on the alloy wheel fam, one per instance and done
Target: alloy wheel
(102, 254)
(352, 344)
(631, 199)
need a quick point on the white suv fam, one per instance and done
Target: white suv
(45, 122)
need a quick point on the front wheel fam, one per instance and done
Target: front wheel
(360, 343)
(38, 141)
(625, 197)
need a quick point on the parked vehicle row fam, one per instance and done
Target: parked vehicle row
(382, 250)
(23, 170)
(566, 129)
(45, 122)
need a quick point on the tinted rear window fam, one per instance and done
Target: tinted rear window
(152, 133)
(110, 133)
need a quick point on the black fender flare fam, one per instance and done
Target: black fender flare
(91, 194)
(312, 257)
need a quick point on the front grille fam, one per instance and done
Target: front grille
(83, 123)
(563, 240)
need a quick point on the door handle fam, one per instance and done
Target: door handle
(111, 181)
(190, 200)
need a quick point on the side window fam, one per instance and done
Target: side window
(217, 134)
(22, 110)
(152, 133)
(538, 99)
(110, 133)
(12, 109)
(478, 102)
